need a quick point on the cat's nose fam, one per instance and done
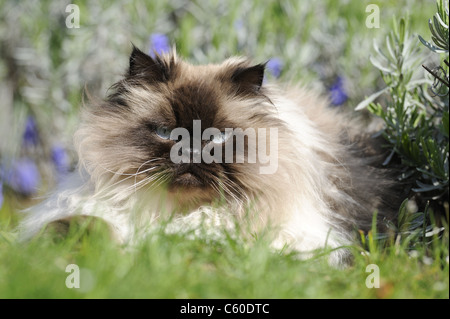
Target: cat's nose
(190, 155)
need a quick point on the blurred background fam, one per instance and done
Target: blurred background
(50, 52)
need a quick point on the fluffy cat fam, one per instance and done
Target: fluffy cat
(325, 185)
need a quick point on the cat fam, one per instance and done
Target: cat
(324, 186)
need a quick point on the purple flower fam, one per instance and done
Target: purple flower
(1, 194)
(337, 92)
(275, 66)
(159, 43)
(23, 176)
(60, 159)
(30, 135)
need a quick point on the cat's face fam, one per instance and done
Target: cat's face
(132, 133)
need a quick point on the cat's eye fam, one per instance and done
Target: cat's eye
(163, 132)
(220, 138)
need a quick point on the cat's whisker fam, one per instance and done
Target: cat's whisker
(117, 175)
(146, 170)
(226, 187)
(233, 185)
(222, 192)
(161, 180)
(130, 174)
(157, 179)
(144, 181)
(233, 173)
(106, 188)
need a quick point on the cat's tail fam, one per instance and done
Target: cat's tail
(63, 203)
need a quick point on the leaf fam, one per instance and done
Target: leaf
(425, 148)
(378, 65)
(425, 187)
(370, 99)
(413, 84)
(402, 214)
(442, 23)
(428, 173)
(408, 50)
(415, 151)
(380, 53)
(389, 158)
(431, 46)
(436, 34)
(378, 110)
(402, 31)
(388, 45)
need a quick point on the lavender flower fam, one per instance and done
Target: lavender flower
(60, 159)
(275, 66)
(30, 135)
(337, 92)
(159, 43)
(24, 176)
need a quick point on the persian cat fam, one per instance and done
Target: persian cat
(319, 184)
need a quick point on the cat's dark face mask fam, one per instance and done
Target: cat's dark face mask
(182, 123)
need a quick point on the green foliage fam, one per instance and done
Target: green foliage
(416, 130)
(439, 29)
(174, 266)
(416, 124)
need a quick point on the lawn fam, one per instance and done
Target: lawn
(45, 65)
(173, 266)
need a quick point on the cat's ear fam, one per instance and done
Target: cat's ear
(249, 79)
(143, 65)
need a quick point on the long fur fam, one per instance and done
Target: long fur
(325, 188)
